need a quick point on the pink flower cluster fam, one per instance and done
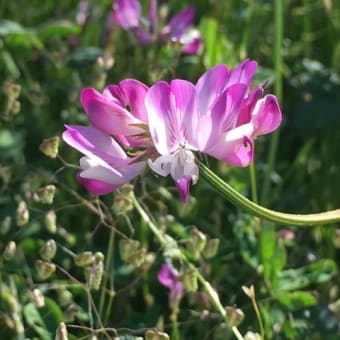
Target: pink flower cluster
(128, 15)
(167, 124)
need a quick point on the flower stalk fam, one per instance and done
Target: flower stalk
(226, 191)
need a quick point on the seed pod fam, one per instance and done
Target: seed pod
(156, 335)
(84, 259)
(61, 333)
(50, 147)
(23, 214)
(235, 316)
(9, 251)
(45, 194)
(211, 248)
(48, 250)
(94, 272)
(199, 239)
(38, 298)
(189, 279)
(51, 221)
(45, 269)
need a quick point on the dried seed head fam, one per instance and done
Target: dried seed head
(50, 146)
(45, 269)
(9, 251)
(48, 250)
(23, 214)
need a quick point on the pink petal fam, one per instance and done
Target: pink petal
(209, 86)
(266, 116)
(126, 13)
(183, 187)
(243, 73)
(167, 276)
(91, 141)
(184, 114)
(109, 114)
(234, 147)
(181, 22)
(192, 42)
(157, 102)
(248, 105)
(153, 18)
(134, 94)
(223, 116)
(96, 187)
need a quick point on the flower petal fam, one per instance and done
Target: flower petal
(109, 114)
(209, 86)
(235, 146)
(248, 105)
(92, 142)
(126, 13)
(157, 102)
(243, 73)
(266, 116)
(192, 42)
(181, 22)
(183, 187)
(96, 187)
(222, 117)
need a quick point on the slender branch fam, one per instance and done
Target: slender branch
(282, 218)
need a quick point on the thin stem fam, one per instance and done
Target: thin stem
(253, 182)
(163, 241)
(226, 191)
(278, 65)
(108, 273)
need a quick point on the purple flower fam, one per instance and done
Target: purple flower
(216, 117)
(169, 277)
(119, 111)
(128, 15)
(104, 166)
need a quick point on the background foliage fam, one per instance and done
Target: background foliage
(49, 51)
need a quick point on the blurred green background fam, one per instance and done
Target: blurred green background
(49, 51)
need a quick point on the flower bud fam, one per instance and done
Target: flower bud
(45, 269)
(156, 335)
(211, 248)
(61, 333)
(9, 251)
(235, 316)
(128, 248)
(51, 221)
(189, 280)
(84, 259)
(45, 194)
(252, 336)
(23, 214)
(48, 250)
(38, 298)
(50, 146)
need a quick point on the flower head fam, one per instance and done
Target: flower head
(217, 116)
(104, 166)
(119, 111)
(128, 15)
(169, 277)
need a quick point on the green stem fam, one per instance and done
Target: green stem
(253, 182)
(282, 218)
(163, 241)
(278, 63)
(108, 266)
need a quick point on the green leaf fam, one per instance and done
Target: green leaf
(296, 300)
(10, 27)
(316, 272)
(58, 28)
(273, 254)
(85, 56)
(33, 318)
